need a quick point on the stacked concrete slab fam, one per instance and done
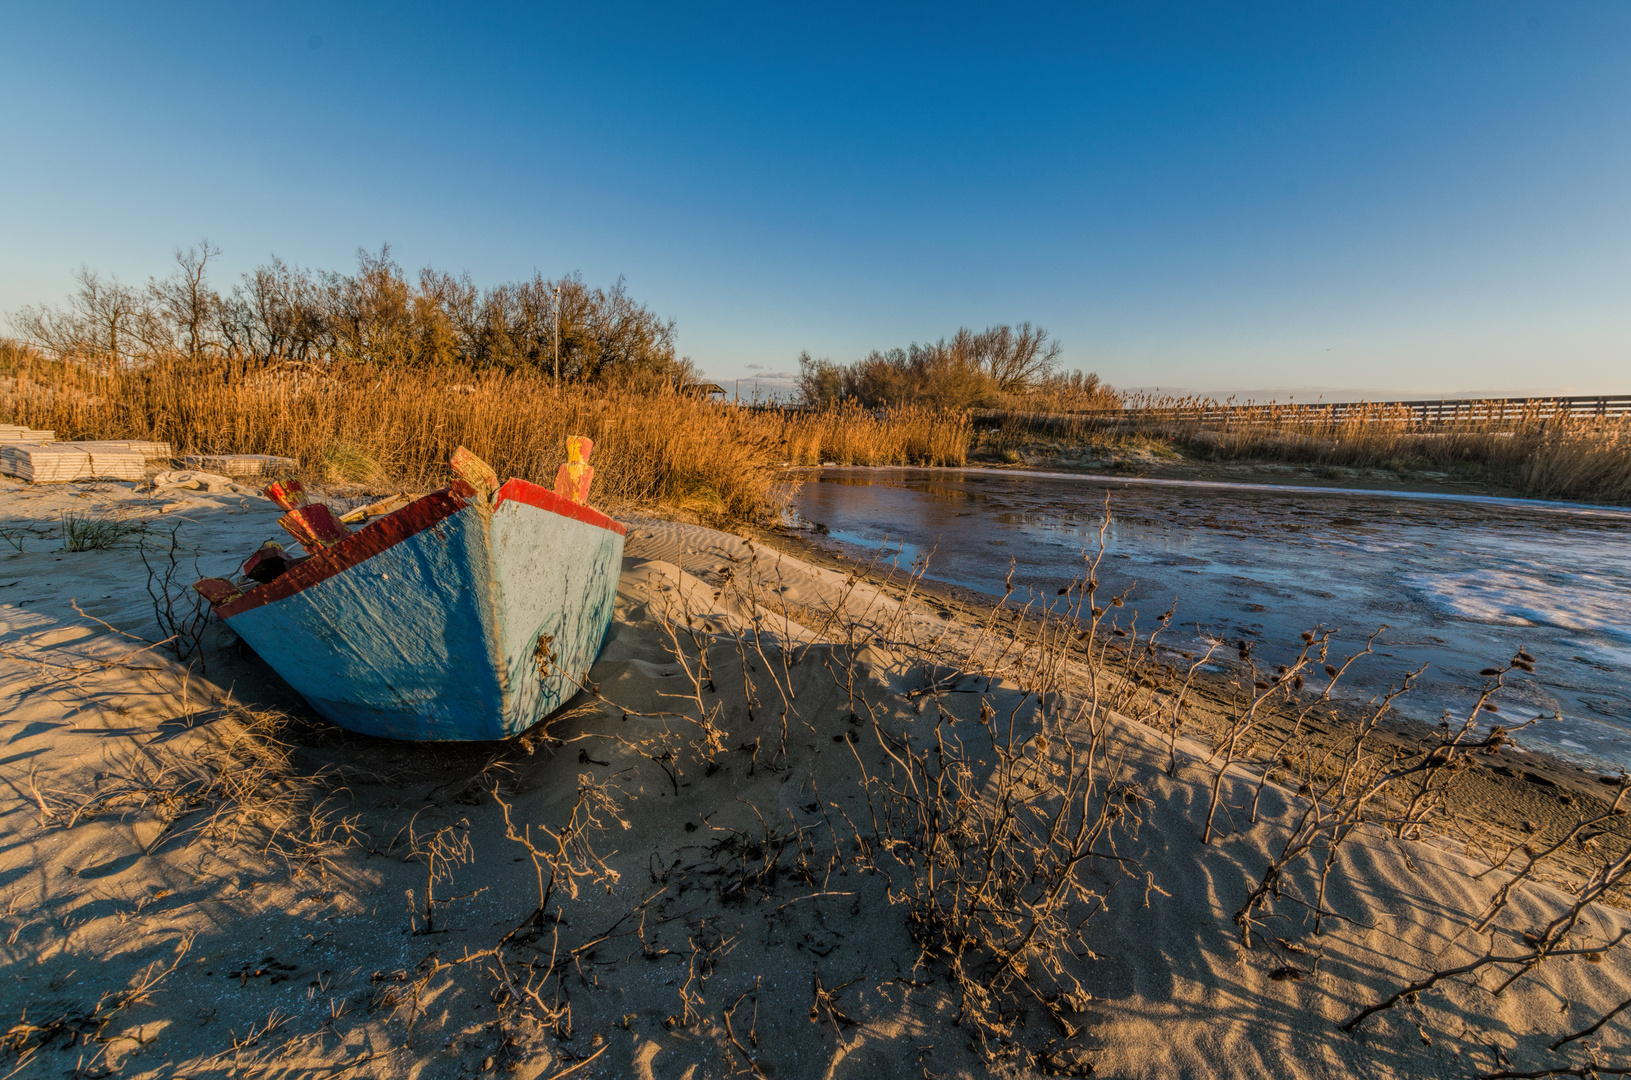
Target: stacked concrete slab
(58, 463)
(35, 455)
(17, 433)
(241, 464)
(46, 462)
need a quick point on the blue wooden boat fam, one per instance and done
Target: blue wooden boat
(471, 613)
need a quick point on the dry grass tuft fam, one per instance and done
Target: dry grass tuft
(84, 530)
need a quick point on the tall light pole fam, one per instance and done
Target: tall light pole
(557, 307)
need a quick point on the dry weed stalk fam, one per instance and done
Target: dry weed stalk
(181, 613)
(749, 1060)
(1545, 944)
(1276, 687)
(1552, 940)
(692, 658)
(1373, 786)
(538, 999)
(442, 851)
(708, 946)
(1592, 1027)
(1593, 1070)
(826, 1007)
(75, 674)
(568, 852)
(236, 786)
(1602, 822)
(26, 1038)
(1277, 757)
(996, 858)
(16, 538)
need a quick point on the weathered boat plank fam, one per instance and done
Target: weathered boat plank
(454, 618)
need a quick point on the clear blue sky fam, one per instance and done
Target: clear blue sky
(1412, 197)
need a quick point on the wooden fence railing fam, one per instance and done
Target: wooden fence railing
(1470, 411)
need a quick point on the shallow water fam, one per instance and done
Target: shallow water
(1460, 583)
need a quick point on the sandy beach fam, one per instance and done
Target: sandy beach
(708, 864)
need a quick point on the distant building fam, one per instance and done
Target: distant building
(704, 389)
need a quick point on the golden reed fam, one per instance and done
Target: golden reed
(372, 425)
(659, 446)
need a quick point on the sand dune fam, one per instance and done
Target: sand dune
(306, 902)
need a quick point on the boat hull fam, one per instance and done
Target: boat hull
(452, 619)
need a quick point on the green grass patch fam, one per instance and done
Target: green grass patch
(84, 530)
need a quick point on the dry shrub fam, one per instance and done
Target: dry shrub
(1069, 391)
(1007, 863)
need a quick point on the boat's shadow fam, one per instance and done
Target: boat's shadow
(447, 773)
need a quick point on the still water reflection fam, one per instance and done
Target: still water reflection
(1460, 584)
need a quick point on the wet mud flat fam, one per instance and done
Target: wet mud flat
(1458, 582)
(1145, 465)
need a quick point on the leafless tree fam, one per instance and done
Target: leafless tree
(103, 319)
(280, 314)
(1017, 358)
(184, 302)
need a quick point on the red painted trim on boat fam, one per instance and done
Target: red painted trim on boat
(416, 517)
(525, 491)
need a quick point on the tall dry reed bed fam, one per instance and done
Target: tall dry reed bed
(369, 424)
(659, 446)
(852, 435)
(1533, 448)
